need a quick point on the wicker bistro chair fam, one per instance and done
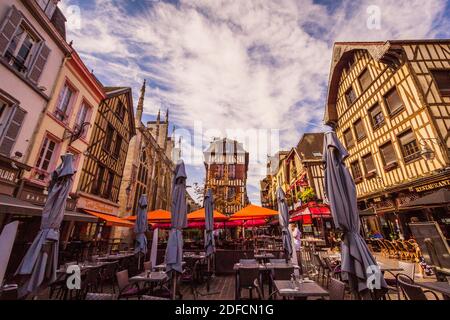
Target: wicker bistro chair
(108, 276)
(336, 289)
(414, 250)
(409, 270)
(412, 291)
(246, 280)
(383, 247)
(402, 253)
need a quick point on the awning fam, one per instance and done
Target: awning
(436, 199)
(111, 220)
(14, 206)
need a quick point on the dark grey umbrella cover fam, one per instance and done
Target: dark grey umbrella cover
(283, 217)
(209, 223)
(41, 259)
(341, 193)
(141, 226)
(174, 251)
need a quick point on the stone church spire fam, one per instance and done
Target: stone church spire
(140, 106)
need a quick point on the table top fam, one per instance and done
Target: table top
(152, 277)
(304, 289)
(441, 287)
(262, 266)
(84, 266)
(264, 256)
(392, 267)
(116, 256)
(194, 256)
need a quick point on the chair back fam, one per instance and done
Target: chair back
(409, 269)
(282, 273)
(148, 266)
(277, 261)
(247, 276)
(248, 261)
(409, 289)
(336, 289)
(122, 279)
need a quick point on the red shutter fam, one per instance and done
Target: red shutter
(9, 27)
(12, 131)
(39, 63)
(240, 171)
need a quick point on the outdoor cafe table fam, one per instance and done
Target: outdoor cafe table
(438, 286)
(302, 289)
(264, 257)
(263, 268)
(115, 257)
(151, 278)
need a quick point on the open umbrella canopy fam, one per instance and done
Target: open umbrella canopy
(252, 212)
(199, 215)
(255, 223)
(162, 216)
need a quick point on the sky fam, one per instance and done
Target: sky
(256, 70)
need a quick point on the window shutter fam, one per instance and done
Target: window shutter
(12, 131)
(9, 27)
(39, 63)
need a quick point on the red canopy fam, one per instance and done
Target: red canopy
(310, 211)
(255, 223)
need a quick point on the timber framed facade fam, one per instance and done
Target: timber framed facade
(390, 105)
(103, 167)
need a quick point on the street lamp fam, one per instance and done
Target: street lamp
(426, 152)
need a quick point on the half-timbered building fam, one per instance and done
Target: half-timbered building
(102, 172)
(226, 164)
(389, 103)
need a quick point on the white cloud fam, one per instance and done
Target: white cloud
(238, 64)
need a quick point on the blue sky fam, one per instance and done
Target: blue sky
(237, 65)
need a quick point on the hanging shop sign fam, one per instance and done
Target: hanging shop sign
(431, 186)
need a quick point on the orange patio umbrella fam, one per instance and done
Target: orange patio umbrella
(155, 216)
(199, 215)
(252, 212)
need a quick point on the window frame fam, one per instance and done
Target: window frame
(364, 136)
(446, 92)
(393, 113)
(376, 126)
(365, 71)
(11, 58)
(393, 164)
(369, 173)
(57, 112)
(87, 118)
(356, 178)
(352, 89)
(349, 129)
(413, 156)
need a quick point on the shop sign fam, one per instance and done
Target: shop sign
(432, 186)
(8, 175)
(39, 198)
(97, 206)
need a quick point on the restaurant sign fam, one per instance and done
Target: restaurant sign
(432, 186)
(8, 175)
(97, 206)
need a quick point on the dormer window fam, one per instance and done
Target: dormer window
(48, 6)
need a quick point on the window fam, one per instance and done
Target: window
(231, 193)
(376, 116)
(97, 185)
(108, 189)
(109, 137)
(410, 148)
(48, 6)
(365, 80)
(388, 154)
(117, 146)
(359, 130)
(64, 101)
(369, 164)
(20, 49)
(442, 79)
(393, 101)
(348, 137)
(232, 171)
(120, 110)
(349, 63)
(11, 120)
(356, 170)
(46, 154)
(82, 117)
(350, 96)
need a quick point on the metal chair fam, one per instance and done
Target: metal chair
(412, 291)
(336, 289)
(246, 280)
(126, 289)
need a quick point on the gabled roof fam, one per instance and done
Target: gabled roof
(310, 146)
(112, 92)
